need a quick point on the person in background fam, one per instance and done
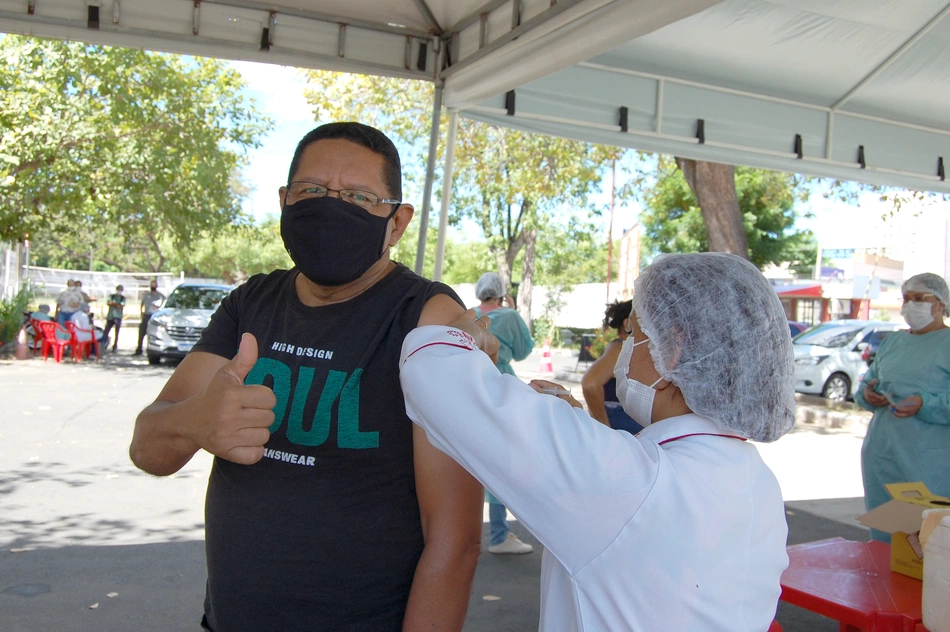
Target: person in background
(151, 303)
(84, 327)
(907, 387)
(681, 527)
(326, 509)
(68, 302)
(116, 304)
(599, 384)
(41, 313)
(85, 297)
(515, 343)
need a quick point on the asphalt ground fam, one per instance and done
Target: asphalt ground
(88, 542)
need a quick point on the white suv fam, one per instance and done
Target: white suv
(174, 329)
(828, 358)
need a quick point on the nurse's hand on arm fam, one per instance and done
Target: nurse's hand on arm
(205, 405)
(477, 328)
(553, 388)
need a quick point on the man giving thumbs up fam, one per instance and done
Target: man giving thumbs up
(327, 509)
(226, 418)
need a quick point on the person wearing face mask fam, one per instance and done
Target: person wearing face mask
(680, 527)
(599, 383)
(907, 387)
(326, 509)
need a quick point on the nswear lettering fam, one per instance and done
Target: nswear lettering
(337, 387)
(289, 457)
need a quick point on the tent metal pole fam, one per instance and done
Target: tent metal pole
(446, 194)
(430, 177)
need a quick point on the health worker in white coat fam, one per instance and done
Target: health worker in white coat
(681, 527)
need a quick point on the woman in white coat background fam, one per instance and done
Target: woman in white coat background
(681, 527)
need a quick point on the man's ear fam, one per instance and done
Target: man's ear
(282, 193)
(400, 223)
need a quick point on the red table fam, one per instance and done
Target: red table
(852, 583)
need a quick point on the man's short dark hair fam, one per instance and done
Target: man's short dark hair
(364, 135)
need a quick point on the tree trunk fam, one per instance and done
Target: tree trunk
(527, 275)
(714, 186)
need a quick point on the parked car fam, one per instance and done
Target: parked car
(828, 358)
(175, 328)
(874, 342)
(796, 327)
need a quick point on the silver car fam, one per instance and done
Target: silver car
(174, 329)
(828, 358)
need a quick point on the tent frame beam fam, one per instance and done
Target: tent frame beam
(322, 17)
(761, 97)
(428, 16)
(525, 27)
(897, 54)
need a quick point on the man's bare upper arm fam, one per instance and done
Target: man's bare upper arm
(441, 309)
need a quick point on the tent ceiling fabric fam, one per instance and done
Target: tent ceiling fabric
(811, 86)
(815, 86)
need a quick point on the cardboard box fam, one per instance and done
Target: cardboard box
(902, 517)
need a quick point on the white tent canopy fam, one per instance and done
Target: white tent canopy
(852, 89)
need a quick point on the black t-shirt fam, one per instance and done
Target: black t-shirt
(323, 533)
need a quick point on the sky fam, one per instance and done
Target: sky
(279, 92)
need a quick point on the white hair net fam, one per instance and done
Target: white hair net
(931, 283)
(490, 285)
(718, 332)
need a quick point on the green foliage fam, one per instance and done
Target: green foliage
(572, 253)
(125, 152)
(11, 313)
(234, 253)
(672, 220)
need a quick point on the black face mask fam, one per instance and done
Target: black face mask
(332, 242)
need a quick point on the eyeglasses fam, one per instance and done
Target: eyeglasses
(297, 191)
(919, 298)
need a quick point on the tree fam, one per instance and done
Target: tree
(119, 147)
(714, 186)
(672, 220)
(234, 253)
(508, 183)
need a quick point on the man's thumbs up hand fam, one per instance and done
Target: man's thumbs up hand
(241, 364)
(236, 417)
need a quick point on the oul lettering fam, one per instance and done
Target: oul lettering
(337, 387)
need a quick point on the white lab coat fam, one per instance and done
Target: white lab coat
(686, 536)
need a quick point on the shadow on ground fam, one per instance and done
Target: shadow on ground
(155, 586)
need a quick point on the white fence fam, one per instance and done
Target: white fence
(47, 283)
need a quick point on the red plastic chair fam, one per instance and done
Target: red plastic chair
(81, 348)
(48, 329)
